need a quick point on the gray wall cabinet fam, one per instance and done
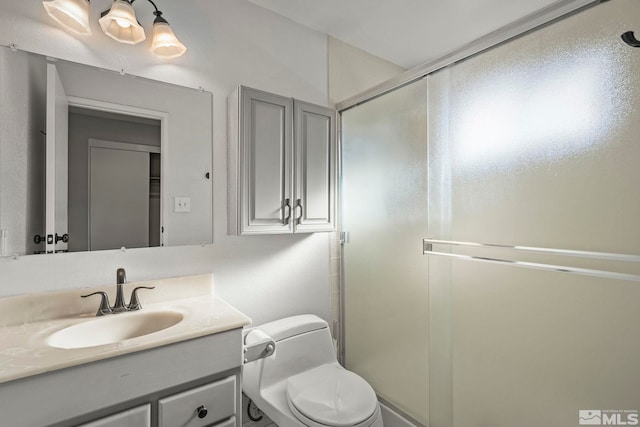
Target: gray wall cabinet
(282, 165)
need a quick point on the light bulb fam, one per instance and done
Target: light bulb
(123, 23)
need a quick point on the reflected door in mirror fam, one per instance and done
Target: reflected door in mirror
(119, 194)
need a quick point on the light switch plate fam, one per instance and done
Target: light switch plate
(182, 204)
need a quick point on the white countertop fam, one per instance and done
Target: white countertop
(29, 320)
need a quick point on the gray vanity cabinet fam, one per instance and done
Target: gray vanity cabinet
(209, 405)
(282, 164)
(192, 383)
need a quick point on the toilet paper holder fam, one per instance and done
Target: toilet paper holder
(257, 345)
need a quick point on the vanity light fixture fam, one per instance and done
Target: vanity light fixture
(119, 22)
(71, 14)
(164, 42)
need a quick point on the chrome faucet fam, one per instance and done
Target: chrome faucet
(120, 306)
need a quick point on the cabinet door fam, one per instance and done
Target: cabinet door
(136, 417)
(265, 162)
(315, 168)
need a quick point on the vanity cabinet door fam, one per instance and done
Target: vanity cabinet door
(136, 417)
(315, 167)
(201, 406)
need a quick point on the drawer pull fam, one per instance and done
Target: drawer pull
(201, 411)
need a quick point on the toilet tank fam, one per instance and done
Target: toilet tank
(302, 342)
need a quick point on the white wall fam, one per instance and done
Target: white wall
(230, 42)
(352, 70)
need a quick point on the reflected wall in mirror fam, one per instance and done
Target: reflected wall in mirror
(91, 159)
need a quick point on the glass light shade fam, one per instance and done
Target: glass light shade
(71, 14)
(121, 25)
(165, 43)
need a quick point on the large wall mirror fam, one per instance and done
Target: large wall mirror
(92, 160)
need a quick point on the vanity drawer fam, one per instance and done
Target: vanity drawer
(140, 417)
(218, 399)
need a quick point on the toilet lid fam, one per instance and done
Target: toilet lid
(331, 395)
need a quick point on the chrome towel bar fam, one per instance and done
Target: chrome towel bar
(428, 250)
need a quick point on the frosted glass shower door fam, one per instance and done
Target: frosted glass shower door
(535, 144)
(384, 206)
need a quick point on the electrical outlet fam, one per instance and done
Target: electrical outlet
(182, 204)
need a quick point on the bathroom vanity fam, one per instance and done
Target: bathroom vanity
(185, 374)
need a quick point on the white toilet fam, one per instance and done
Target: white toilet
(302, 384)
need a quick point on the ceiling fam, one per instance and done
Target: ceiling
(405, 32)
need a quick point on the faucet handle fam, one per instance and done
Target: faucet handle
(104, 304)
(134, 302)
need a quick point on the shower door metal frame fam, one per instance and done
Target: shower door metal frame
(532, 22)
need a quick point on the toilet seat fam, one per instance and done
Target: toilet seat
(329, 395)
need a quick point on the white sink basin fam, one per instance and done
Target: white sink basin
(113, 328)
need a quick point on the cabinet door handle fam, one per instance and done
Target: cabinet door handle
(299, 205)
(287, 214)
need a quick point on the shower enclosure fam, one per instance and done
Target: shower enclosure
(492, 262)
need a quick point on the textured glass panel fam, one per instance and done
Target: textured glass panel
(534, 347)
(384, 199)
(543, 136)
(439, 273)
(535, 143)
